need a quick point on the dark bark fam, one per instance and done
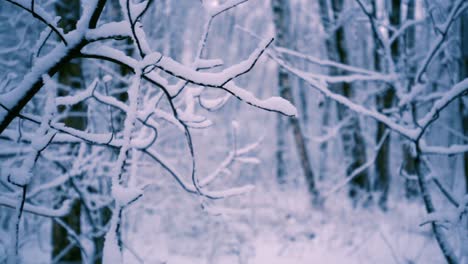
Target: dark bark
(330, 45)
(439, 234)
(281, 16)
(382, 163)
(37, 85)
(464, 110)
(383, 101)
(395, 20)
(69, 75)
(351, 136)
(409, 166)
(353, 143)
(411, 185)
(60, 238)
(280, 150)
(463, 75)
(73, 52)
(325, 106)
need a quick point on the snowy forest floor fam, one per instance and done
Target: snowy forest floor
(266, 226)
(283, 231)
(286, 230)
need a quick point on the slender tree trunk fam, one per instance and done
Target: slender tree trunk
(351, 136)
(60, 238)
(280, 13)
(281, 17)
(439, 234)
(280, 150)
(326, 107)
(326, 16)
(382, 165)
(383, 101)
(464, 111)
(437, 228)
(70, 75)
(353, 142)
(463, 75)
(411, 185)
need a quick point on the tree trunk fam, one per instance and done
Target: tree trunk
(280, 150)
(439, 234)
(330, 45)
(60, 239)
(351, 136)
(281, 17)
(411, 185)
(383, 101)
(69, 75)
(326, 107)
(382, 165)
(463, 75)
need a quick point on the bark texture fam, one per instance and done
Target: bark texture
(354, 148)
(281, 13)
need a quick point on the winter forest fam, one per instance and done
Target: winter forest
(233, 131)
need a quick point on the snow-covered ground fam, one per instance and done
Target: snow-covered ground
(288, 231)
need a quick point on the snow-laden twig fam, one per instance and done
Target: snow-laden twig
(73, 235)
(222, 80)
(32, 82)
(360, 169)
(22, 176)
(41, 15)
(122, 195)
(446, 193)
(84, 42)
(45, 211)
(440, 150)
(381, 38)
(443, 30)
(410, 133)
(115, 30)
(215, 11)
(459, 89)
(329, 63)
(189, 187)
(403, 29)
(233, 155)
(200, 63)
(331, 132)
